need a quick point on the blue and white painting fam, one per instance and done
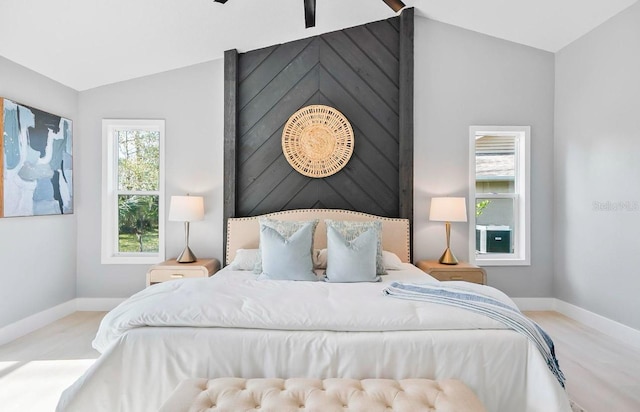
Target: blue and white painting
(37, 168)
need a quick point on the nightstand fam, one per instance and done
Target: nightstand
(461, 271)
(172, 270)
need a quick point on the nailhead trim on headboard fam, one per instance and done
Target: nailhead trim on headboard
(320, 211)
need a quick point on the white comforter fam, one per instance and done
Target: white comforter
(234, 325)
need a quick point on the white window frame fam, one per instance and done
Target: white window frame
(522, 198)
(110, 253)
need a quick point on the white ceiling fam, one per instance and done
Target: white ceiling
(88, 43)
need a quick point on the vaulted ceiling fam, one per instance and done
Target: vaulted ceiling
(88, 43)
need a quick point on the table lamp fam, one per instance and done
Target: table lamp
(186, 209)
(448, 209)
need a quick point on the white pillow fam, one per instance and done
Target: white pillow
(245, 259)
(391, 261)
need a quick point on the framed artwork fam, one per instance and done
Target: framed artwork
(36, 166)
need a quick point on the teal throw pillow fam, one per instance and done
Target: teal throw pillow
(286, 228)
(352, 229)
(351, 261)
(287, 258)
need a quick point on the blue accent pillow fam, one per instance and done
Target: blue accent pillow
(286, 228)
(351, 260)
(287, 258)
(352, 229)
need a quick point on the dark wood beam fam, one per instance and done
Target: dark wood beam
(230, 139)
(396, 5)
(309, 13)
(406, 116)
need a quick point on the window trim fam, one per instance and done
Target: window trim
(522, 223)
(109, 235)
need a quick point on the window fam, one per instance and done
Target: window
(499, 195)
(132, 191)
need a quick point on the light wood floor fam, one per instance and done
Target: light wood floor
(36, 368)
(602, 374)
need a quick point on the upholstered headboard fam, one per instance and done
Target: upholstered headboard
(244, 232)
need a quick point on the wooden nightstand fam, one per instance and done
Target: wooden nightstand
(461, 271)
(171, 270)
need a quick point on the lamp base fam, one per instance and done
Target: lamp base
(448, 258)
(186, 256)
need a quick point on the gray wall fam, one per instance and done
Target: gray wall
(597, 170)
(191, 102)
(464, 78)
(37, 254)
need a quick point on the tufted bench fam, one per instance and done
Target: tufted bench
(283, 395)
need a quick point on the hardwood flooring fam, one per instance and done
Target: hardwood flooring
(602, 374)
(36, 368)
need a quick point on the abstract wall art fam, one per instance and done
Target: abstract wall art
(36, 165)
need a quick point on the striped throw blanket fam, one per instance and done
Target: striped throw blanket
(488, 306)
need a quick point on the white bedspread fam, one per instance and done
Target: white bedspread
(234, 325)
(238, 300)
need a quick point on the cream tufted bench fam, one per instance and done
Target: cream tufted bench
(283, 395)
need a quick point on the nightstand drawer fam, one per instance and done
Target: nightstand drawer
(475, 276)
(462, 271)
(171, 270)
(163, 275)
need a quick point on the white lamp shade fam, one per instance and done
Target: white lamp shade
(448, 209)
(186, 208)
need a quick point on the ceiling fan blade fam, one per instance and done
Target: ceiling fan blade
(309, 13)
(220, 1)
(396, 5)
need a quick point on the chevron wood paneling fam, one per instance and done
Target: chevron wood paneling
(356, 71)
(366, 72)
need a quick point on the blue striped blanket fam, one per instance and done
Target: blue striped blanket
(488, 306)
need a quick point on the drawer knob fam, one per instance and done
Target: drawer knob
(177, 276)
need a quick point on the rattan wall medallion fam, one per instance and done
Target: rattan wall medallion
(317, 141)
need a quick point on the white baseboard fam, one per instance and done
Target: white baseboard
(29, 324)
(97, 304)
(607, 326)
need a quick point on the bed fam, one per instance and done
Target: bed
(233, 324)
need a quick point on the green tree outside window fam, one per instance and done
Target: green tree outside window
(138, 171)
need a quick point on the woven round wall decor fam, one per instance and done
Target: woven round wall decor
(317, 141)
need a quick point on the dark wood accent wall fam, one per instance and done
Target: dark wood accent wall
(406, 116)
(366, 72)
(230, 135)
